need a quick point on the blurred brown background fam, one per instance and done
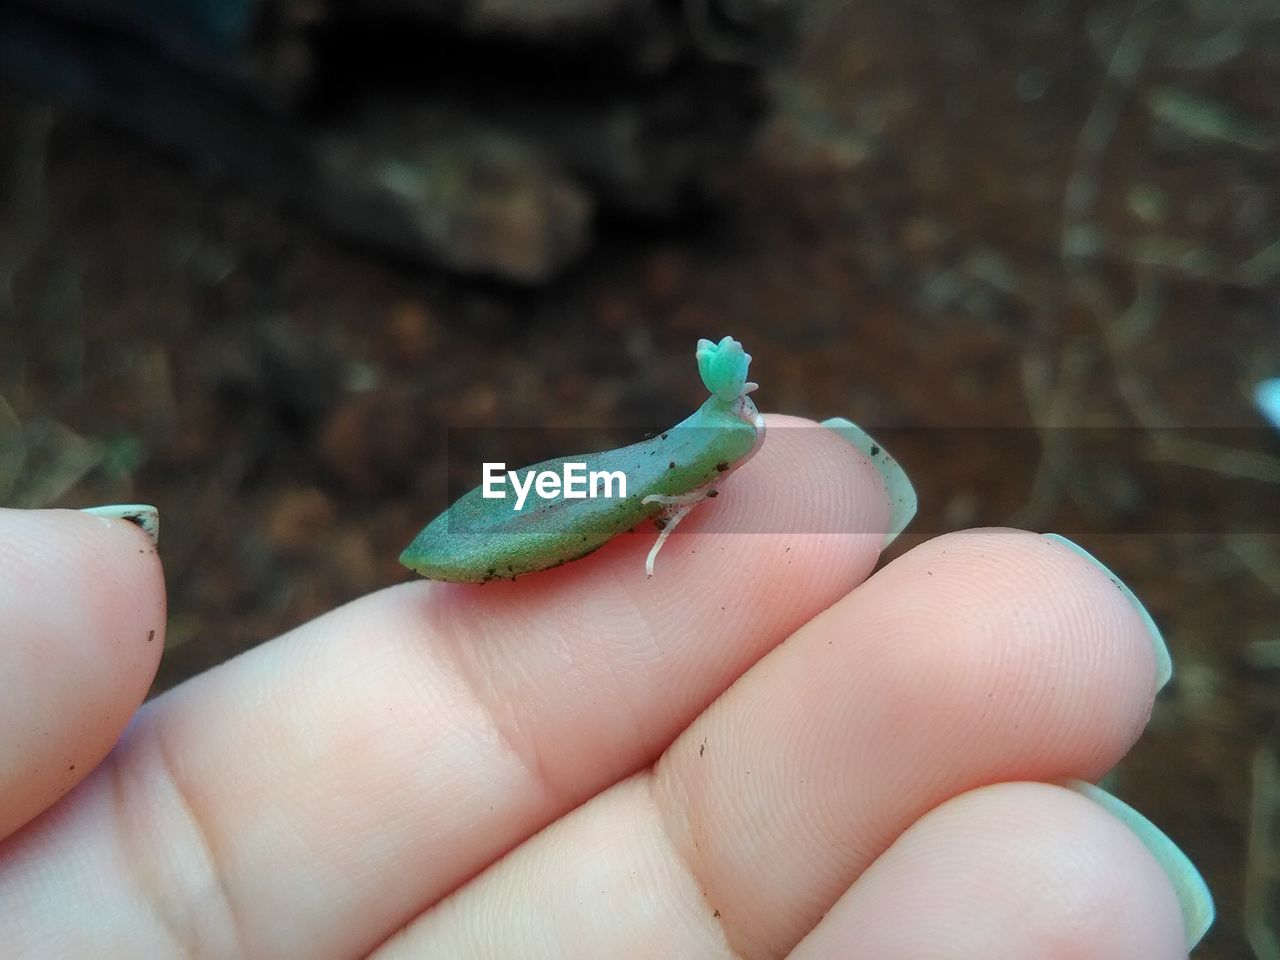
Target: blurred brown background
(1055, 218)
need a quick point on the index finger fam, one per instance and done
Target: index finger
(321, 790)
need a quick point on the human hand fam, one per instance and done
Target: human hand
(761, 752)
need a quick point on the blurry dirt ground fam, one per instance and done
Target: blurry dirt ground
(1025, 216)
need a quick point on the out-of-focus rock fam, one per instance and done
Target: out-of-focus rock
(483, 136)
(474, 201)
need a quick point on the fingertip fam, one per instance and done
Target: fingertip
(898, 487)
(82, 600)
(142, 515)
(1009, 870)
(1195, 900)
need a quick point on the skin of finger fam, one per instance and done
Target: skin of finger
(83, 608)
(353, 772)
(975, 658)
(1007, 872)
(1013, 871)
(602, 881)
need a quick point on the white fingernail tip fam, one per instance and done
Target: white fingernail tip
(1164, 661)
(902, 495)
(142, 514)
(1194, 897)
(1267, 397)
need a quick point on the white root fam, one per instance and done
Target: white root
(683, 504)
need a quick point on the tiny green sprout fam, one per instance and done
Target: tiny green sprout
(487, 535)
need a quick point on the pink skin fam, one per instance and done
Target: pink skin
(82, 608)
(768, 750)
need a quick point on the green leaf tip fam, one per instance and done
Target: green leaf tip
(723, 367)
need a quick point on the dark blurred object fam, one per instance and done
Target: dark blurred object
(257, 46)
(481, 135)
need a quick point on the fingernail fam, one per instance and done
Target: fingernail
(902, 495)
(1194, 897)
(1164, 662)
(143, 514)
(1267, 397)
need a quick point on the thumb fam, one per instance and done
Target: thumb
(82, 612)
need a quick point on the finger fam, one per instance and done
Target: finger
(384, 754)
(1013, 870)
(1010, 871)
(82, 604)
(602, 881)
(975, 658)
